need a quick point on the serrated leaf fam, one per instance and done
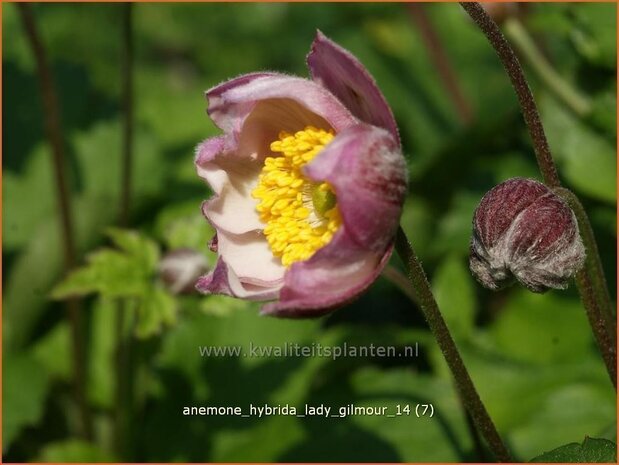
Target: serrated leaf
(591, 450)
(156, 309)
(108, 273)
(138, 247)
(113, 273)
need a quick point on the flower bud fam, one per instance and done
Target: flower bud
(523, 230)
(180, 269)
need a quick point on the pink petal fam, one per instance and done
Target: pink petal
(232, 102)
(340, 72)
(334, 276)
(222, 280)
(367, 171)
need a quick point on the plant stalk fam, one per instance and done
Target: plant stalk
(525, 97)
(591, 281)
(441, 61)
(53, 132)
(439, 328)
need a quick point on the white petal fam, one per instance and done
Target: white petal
(250, 257)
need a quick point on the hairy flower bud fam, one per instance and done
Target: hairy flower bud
(523, 230)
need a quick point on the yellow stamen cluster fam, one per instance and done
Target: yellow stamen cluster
(300, 216)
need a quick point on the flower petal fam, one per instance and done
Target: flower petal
(232, 102)
(250, 257)
(340, 72)
(335, 275)
(232, 178)
(367, 171)
(222, 280)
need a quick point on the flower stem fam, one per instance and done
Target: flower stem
(590, 280)
(525, 97)
(593, 290)
(439, 328)
(441, 61)
(525, 44)
(53, 131)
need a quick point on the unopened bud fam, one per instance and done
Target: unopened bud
(523, 230)
(180, 269)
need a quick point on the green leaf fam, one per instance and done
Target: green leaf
(114, 273)
(542, 328)
(25, 383)
(587, 159)
(107, 272)
(156, 309)
(53, 351)
(594, 32)
(73, 450)
(19, 224)
(138, 247)
(590, 451)
(454, 291)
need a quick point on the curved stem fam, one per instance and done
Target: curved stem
(53, 132)
(525, 44)
(439, 328)
(525, 97)
(593, 290)
(591, 282)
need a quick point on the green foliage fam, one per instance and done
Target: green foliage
(593, 33)
(112, 273)
(25, 394)
(588, 158)
(532, 357)
(73, 451)
(591, 450)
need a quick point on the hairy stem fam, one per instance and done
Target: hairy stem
(525, 97)
(441, 61)
(591, 281)
(525, 44)
(53, 132)
(437, 325)
(593, 290)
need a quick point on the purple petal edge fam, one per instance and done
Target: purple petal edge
(293, 304)
(367, 171)
(342, 73)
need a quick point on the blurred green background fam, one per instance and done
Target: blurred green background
(532, 357)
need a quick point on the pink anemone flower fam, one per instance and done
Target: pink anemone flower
(308, 180)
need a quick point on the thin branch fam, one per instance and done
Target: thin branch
(53, 132)
(439, 328)
(441, 61)
(525, 97)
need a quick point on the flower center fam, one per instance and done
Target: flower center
(300, 216)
